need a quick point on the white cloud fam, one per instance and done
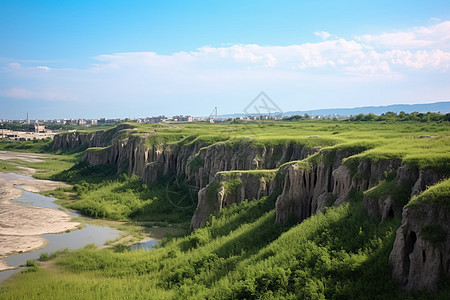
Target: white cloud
(322, 34)
(348, 57)
(432, 37)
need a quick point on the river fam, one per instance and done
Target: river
(88, 234)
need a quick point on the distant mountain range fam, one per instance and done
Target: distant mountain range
(442, 107)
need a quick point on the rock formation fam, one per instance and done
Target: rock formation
(228, 188)
(421, 251)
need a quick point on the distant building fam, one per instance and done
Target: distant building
(106, 121)
(182, 118)
(39, 128)
(153, 120)
(92, 122)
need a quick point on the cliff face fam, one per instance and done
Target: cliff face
(72, 140)
(242, 157)
(407, 184)
(228, 188)
(198, 163)
(202, 168)
(421, 251)
(305, 191)
(308, 190)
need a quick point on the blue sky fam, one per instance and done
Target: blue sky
(70, 59)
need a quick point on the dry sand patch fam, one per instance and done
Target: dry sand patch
(20, 226)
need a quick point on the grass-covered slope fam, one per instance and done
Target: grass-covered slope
(242, 253)
(438, 194)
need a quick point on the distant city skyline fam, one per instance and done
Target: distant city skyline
(91, 59)
(435, 107)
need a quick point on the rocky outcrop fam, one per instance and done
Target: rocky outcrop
(231, 187)
(73, 140)
(370, 173)
(132, 155)
(209, 160)
(301, 191)
(197, 161)
(421, 251)
(384, 207)
(427, 177)
(407, 183)
(308, 190)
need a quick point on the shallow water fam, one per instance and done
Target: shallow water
(149, 245)
(89, 234)
(34, 199)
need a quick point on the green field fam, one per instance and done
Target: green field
(241, 253)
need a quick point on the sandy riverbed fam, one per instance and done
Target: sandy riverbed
(20, 226)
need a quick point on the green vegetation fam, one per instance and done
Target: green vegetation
(85, 172)
(269, 175)
(43, 256)
(232, 183)
(100, 193)
(400, 193)
(36, 146)
(241, 253)
(196, 163)
(31, 265)
(51, 167)
(8, 166)
(438, 194)
(402, 117)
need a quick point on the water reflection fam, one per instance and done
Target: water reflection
(149, 245)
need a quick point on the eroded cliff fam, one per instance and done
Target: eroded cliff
(232, 187)
(421, 251)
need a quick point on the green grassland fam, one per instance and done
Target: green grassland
(35, 146)
(241, 253)
(380, 140)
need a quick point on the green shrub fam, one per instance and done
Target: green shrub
(31, 263)
(44, 256)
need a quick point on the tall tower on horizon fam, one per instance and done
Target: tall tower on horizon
(28, 120)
